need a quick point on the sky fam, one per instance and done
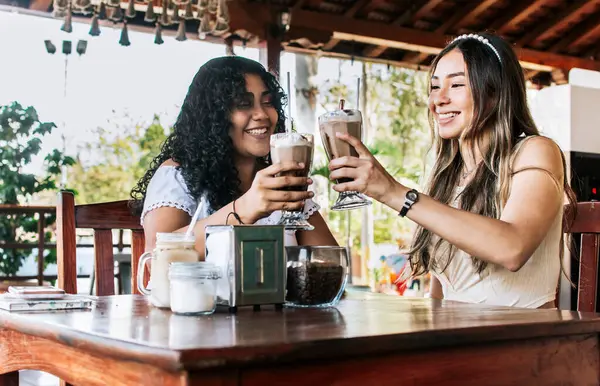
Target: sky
(106, 82)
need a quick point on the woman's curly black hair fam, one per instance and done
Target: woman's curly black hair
(200, 141)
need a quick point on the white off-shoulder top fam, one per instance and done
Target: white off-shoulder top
(167, 188)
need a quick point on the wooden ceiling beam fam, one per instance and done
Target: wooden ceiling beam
(515, 15)
(471, 12)
(308, 37)
(590, 24)
(256, 16)
(553, 23)
(330, 45)
(374, 51)
(594, 30)
(250, 18)
(298, 4)
(580, 31)
(411, 15)
(415, 57)
(311, 4)
(417, 40)
(357, 6)
(350, 13)
(423, 10)
(586, 7)
(415, 12)
(406, 15)
(457, 18)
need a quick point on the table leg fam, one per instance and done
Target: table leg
(9, 379)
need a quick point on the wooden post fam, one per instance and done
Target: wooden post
(270, 50)
(137, 249)
(41, 241)
(66, 245)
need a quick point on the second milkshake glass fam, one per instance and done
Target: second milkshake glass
(343, 121)
(299, 148)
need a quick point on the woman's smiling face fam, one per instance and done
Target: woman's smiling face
(450, 97)
(253, 119)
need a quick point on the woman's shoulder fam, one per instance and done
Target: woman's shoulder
(167, 188)
(538, 152)
(169, 163)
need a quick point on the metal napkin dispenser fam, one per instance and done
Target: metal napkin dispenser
(253, 263)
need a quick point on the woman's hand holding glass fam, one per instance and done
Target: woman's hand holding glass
(267, 193)
(367, 174)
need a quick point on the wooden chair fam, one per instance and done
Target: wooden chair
(586, 222)
(102, 218)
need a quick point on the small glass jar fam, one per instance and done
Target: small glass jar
(193, 287)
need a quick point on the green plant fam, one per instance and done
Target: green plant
(109, 165)
(21, 137)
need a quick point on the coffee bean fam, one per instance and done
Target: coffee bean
(313, 283)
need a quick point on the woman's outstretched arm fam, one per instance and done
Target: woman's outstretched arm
(535, 200)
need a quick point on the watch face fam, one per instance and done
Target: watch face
(412, 196)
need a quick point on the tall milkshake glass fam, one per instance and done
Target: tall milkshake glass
(342, 121)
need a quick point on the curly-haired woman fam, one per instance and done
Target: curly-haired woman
(218, 157)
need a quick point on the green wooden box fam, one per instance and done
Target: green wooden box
(252, 261)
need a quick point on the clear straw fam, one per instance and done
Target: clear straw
(288, 127)
(190, 229)
(358, 93)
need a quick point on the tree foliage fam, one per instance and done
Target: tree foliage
(109, 165)
(21, 138)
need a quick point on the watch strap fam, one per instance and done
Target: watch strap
(408, 202)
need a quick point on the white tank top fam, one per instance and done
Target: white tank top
(531, 287)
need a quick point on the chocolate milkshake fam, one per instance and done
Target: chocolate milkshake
(340, 121)
(298, 148)
(293, 147)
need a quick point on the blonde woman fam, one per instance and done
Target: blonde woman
(489, 222)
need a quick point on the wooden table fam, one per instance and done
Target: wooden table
(368, 339)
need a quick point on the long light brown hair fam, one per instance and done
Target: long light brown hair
(501, 120)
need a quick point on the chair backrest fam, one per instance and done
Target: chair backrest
(586, 222)
(102, 218)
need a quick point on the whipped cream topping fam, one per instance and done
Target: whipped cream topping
(341, 116)
(289, 139)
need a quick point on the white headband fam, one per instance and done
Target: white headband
(481, 39)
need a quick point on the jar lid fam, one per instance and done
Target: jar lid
(175, 237)
(198, 269)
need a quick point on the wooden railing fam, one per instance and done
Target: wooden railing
(40, 244)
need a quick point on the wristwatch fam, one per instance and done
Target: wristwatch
(412, 196)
